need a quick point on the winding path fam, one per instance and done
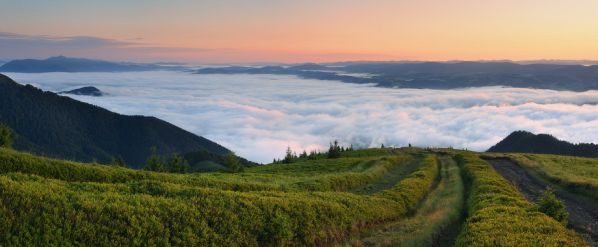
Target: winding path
(583, 212)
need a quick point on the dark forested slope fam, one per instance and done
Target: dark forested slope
(526, 142)
(57, 126)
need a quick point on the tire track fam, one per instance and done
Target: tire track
(583, 212)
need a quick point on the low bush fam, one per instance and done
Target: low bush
(553, 207)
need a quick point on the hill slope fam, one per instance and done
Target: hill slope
(306, 203)
(526, 142)
(62, 127)
(67, 64)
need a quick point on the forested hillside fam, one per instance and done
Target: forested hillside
(526, 142)
(57, 126)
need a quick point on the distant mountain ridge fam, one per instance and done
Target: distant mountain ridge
(526, 142)
(68, 64)
(61, 127)
(89, 91)
(438, 75)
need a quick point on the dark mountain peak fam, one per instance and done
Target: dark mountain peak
(527, 142)
(89, 91)
(519, 134)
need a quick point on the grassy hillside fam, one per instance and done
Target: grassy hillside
(314, 202)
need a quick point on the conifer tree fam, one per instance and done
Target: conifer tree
(6, 136)
(118, 161)
(231, 161)
(178, 164)
(334, 151)
(154, 162)
(303, 155)
(289, 157)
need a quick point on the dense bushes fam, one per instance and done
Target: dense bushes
(39, 211)
(51, 202)
(318, 175)
(411, 189)
(500, 216)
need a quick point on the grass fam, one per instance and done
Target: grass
(439, 211)
(51, 202)
(318, 175)
(389, 179)
(498, 215)
(576, 174)
(48, 202)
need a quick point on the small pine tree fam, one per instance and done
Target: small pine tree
(553, 207)
(178, 164)
(382, 146)
(289, 157)
(232, 163)
(154, 162)
(118, 161)
(6, 136)
(334, 151)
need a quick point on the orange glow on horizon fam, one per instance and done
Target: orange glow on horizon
(334, 30)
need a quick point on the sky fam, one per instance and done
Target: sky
(243, 31)
(237, 31)
(307, 114)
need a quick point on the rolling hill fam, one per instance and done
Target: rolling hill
(371, 197)
(526, 142)
(57, 126)
(68, 64)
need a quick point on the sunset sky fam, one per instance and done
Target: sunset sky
(229, 31)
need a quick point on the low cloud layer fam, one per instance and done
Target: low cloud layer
(258, 116)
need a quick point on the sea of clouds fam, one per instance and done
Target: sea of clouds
(258, 116)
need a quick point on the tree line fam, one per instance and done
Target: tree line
(334, 151)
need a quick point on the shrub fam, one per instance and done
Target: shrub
(553, 207)
(6, 136)
(231, 161)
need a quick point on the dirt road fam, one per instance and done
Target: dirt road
(583, 212)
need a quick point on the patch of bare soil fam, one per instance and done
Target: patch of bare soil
(583, 212)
